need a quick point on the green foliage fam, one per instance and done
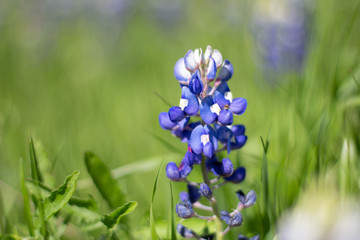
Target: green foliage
(60, 196)
(154, 234)
(103, 180)
(110, 220)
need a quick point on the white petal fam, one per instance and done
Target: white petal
(215, 108)
(190, 62)
(216, 55)
(180, 72)
(208, 52)
(183, 103)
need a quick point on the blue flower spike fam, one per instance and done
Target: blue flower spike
(205, 190)
(203, 118)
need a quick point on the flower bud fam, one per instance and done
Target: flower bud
(226, 71)
(205, 190)
(238, 176)
(184, 231)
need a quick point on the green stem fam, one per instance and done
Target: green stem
(218, 225)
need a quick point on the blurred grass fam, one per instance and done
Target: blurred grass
(80, 83)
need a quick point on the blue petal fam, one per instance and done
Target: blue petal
(205, 112)
(184, 232)
(238, 106)
(184, 170)
(195, 139)
(195, 84)
(182, 124)
(219, 95)
(213, 138)
(238, 176)
(165, 121)
(172, 172)
(184, 196)
(241, 196)
(226, 71)
(176, 114)
(192, 107)
(225, 117)
(227, 168)
(236, 220)
(208, 150)
(223, 134)
(190, 62)
(180, 72)
(211, 70)
(238, 130)
(250, 199)
(240, 142)
(205, 190)
(184, 211)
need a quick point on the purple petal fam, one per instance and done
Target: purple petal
(238, 130)
(205, 190)
(190, 61)
(165, 121)
(180, 72)
(195, 84)
(227, 168)
(211, 70)
(182, 124)
(213, 138)
(238, 106)
(195, 139)
(219, 95)
(226, 71)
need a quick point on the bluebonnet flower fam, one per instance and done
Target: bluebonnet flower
(242, 237)
(205, 190)
(184, 231)
(248, 200)
(215, 106)
(233, 221)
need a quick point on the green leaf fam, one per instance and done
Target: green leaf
(110, 220)
(172, 221)
(25, 193)
(103, 180)
(154, 235)
(60, 196)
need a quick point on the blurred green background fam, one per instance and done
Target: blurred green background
(81, 75)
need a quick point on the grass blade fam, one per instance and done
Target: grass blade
(103, 180)
(25, 193)
(172, 221)
(154, 235)
(60, 196)
(114, 217)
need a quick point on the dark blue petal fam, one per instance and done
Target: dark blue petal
(195, 139)
(238, 176)
(240, 142)
(227, 168)
(173, 172)
(192, 107)
(195, 84)
(165, 121)
(238, 130)
(206, 114)
(213, 165)
(176, 114)
(180, 72)
(211, 70)
(208, 150)
(205, 190)
(223, 134)
(194, 194)
(226, 71)
(225, 117)
(190, 62)
(238, 106)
